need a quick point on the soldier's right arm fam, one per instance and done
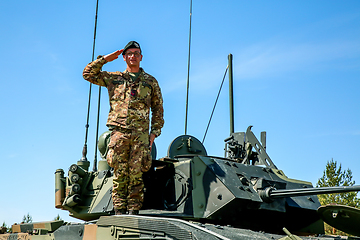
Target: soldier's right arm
(93, 73)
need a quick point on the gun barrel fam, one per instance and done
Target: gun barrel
(281, 193)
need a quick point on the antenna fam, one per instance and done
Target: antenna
(212, 113)
(84, 152)
(98, 113)
(231, 94)
(231, 97)
(188, 74)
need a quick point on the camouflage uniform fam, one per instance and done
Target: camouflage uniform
(129, 153)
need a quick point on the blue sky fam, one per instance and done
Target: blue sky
(296, 76)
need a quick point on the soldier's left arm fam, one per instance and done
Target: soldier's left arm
(157, 110)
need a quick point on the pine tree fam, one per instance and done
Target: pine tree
(3, 228)
(27, 219)
(57, 218)
(334, 176)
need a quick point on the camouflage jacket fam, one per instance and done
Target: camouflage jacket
(130, 101)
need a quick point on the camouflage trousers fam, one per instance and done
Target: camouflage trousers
(129, 155)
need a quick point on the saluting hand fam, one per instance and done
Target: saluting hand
(112, 56)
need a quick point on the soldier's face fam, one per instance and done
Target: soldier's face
(133, 57)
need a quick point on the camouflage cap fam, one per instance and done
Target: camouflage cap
(131, 44)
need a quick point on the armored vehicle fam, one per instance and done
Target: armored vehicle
(190, 195)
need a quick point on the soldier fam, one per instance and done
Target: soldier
(131, 94)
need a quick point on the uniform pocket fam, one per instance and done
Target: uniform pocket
(110, 149)
(144, 93)
(146, 161)
(110, 158)
(118, 148)
(118, 91)
(145, 150)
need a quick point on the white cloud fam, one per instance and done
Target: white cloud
(266, 60)
(271, 59)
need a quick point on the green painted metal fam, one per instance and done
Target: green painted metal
(231, 93)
